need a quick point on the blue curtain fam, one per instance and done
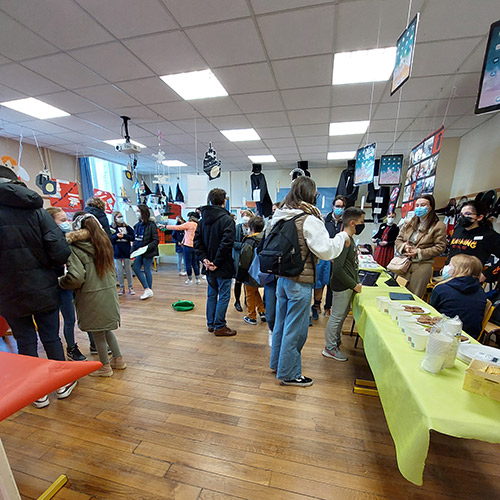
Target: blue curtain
(86, 178)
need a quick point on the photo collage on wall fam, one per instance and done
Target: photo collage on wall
(421, 174)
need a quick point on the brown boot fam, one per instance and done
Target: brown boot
(104, 371)
(118, 363)
(224, 332)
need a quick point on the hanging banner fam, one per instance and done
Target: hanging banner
(421, 173)
(108, 198)
(67, 196)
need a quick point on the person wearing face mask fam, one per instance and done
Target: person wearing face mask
(473, 234)
(421, 239)
(384, 240)
(66, 307)
(121, 240)
(333, 224)
(460, 293)
(242, 230)
(344, 282)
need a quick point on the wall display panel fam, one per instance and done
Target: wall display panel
(364, 170)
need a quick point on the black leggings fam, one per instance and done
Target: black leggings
(237, 291)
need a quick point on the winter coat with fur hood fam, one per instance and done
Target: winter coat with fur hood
(96, 299)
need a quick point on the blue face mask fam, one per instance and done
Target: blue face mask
(65, 227)
(338, 211)
(421, 211)
(448, 272)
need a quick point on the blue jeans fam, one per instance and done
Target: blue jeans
(191, 262)
(218, 295)
(146, 278)
(290, 328)
(270, 303)
(68, 313)
(180, 261)
(47, 324)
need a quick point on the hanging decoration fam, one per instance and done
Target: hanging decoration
(211, 164)
(108, 198)
(179, 196)
(43, 180)
(66, 196)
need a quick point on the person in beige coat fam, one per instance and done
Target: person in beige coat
(421, 239)
(91, 274)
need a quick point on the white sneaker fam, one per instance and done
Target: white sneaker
(198, 281)
(147, 294)
(183, 273)
(188, 281)
(205, 277)
(42, 402)
(270, 339)
(66, 390)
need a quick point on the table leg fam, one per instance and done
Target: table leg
(366, 387)
(8, 487)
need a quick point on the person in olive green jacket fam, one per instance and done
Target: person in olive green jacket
(344, 282)
(91, 274)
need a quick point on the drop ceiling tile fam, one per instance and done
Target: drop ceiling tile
(144, 17)
(70, 102)
(174, 110)
(314, 97)
(321, 140)
(165, 127)
(359, 93)
(64, 70)
(467, 84)
(65, 24)
(200, 125)
(231, 122)
(285, 158)
(32, 45)
(102, 118)
(138, 114)
(457, 107)
(313, 149)
(274, 132)
(167, 53)
(26, 81)
(45, 127)
(112, 61)
(417, 88)
(350, 113)
(298, 33)
(310, 130)
(259, 102)
(309, 116)
(246, 78)
(216, 106)
(389, 125)
(149, 90)
(193, 12)
(454, 132)
(303, 72)
(8, 94)
(86, 128)
(253, 147)
(272, 119)
(280, 143)
(264, 6)
(470, 122)
(107, 96)
(290, 150)
(223, 44)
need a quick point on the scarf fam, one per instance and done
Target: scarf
(310, 209)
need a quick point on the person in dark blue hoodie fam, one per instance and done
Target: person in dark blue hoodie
(460, 294)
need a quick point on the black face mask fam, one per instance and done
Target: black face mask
(358, 228)
(465, 221)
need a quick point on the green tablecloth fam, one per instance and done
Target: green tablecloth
(415, 401)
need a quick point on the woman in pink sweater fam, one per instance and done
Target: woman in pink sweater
(190, 260)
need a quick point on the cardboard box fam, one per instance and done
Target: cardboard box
(477, 380)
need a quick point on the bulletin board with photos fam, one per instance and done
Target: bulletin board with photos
(421, 173)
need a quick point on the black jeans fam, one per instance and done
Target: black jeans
(47, 324)
(329, 297)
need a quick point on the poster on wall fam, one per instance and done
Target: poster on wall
(421, 173)
(108, 198)
(364, 169)
(405, 49)
(66, 196)
(393, 199)
(390, 169)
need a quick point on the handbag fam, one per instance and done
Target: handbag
(261, 278)
(399, 265)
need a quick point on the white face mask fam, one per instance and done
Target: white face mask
(119, 220)
(390, 220)
(245, 219)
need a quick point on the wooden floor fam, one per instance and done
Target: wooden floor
(200, 417)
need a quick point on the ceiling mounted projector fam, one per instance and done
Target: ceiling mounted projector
(128, 148)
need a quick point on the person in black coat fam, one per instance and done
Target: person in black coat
(121, 240)
(460, 294)
(145, 235)
(96, 206)
(32, 247)
(213, 242)
(384, 240)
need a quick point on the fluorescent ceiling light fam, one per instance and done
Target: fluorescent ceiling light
(195, 84)
(341, 155)
(375, 65)
(33, 107)
(241, 134)
(115, 142)
(173, 163)
(349, 128)
(262, 158)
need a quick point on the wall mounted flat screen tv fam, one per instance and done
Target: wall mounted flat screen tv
(488, 97)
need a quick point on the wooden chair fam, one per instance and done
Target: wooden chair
(485, 324)
(437, 266)
(401, 281)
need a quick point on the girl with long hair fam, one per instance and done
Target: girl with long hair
(421, 239)
(145, 236)
(91, 274)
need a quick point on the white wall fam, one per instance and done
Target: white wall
(478, 163)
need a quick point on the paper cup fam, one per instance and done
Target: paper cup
(406, 322)
(453, 326)
(402, 317)
(437, 349)
(380, 303)
(419, 340)
(394, 309)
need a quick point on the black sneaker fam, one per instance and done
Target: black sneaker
(75, 354)
(299, 382)
(263, 317)
(238, 307)
(314, 313)
(249, 320)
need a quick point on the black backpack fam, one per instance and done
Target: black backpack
(280, 253)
